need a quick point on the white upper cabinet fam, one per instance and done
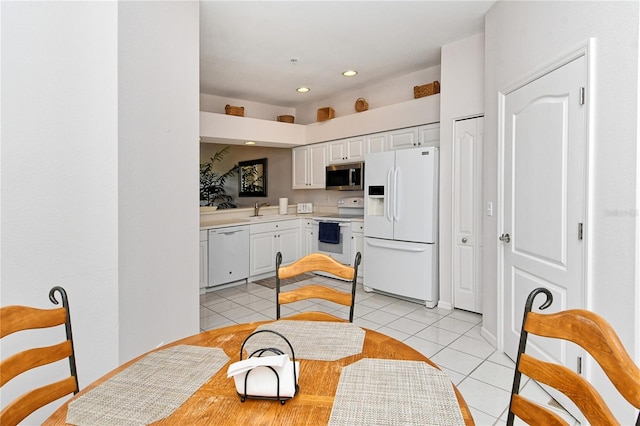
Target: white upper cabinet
(411, 137)
(309, 164)
(429, 135)
(346, 150)
(376, 142)
(403, 138)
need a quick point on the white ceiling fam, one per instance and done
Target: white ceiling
(246, 47)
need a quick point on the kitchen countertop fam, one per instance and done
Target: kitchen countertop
(212, 223)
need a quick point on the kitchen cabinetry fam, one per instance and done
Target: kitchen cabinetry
(403, 138)
(346, 150)
(307, 237)
(376, 142)
(204, 259)
(228, 255)
(267, 239)
(411, 137)
(309, 163)
(357, 235)
(429, 135)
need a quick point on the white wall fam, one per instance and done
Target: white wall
(462, 95)
(520, 38)
(158, 101)
(388, 92)
(98, 170)
(216, 104)
(60, 174)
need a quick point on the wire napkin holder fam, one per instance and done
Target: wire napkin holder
(278, 393)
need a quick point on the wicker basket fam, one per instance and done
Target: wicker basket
(361, 105)
(234, 110)
(426, 89)
(325, 113)
(286, 118)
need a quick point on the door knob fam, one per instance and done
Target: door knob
(505, 238)
(464, 240)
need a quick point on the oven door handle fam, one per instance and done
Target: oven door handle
(341, 224)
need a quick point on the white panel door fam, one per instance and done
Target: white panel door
(467, 225)
(544, 202)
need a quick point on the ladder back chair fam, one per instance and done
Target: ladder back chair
(20, 318)
(592, 333)
(310, 263)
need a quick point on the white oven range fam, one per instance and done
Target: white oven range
(332, 234)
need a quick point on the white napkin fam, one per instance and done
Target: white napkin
(262, 381)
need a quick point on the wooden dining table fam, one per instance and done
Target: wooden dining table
(217, 402)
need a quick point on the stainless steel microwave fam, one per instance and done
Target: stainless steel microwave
(345, 177)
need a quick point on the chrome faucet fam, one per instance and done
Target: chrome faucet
(256, 208)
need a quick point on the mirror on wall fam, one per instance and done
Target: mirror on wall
(253, 178)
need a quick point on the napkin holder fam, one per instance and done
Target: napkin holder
(271, 377)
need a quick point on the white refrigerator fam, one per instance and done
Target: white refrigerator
(401, 223)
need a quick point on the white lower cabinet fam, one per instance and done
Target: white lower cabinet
(267, 239)
(204, 259)
(357, 235)
(307, 237)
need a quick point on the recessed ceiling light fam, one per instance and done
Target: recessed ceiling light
(303, 89)
(349, 73)
(249, 143)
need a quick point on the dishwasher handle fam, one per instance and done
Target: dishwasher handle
(228, 231)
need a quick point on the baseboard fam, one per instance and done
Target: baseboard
(445, 305)
(493, 340)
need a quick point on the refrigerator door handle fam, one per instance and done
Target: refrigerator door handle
(398, 247)
(396, 185)
(389, 196)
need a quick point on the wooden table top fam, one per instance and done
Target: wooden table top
(217, 402)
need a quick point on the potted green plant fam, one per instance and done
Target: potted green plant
(212, 183)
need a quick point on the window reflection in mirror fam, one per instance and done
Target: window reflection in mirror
(253, 178)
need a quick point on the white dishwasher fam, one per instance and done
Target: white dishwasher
(228, 255)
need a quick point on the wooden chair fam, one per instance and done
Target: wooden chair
(19, 318)
(310, 263)
(596, 336)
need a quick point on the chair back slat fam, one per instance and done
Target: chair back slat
(315, 291)
(533, 413)
(581, 392)
(19, 318)
(29, 402)
(316, 262)
(32, 358)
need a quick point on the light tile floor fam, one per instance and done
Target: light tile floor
(451, 339)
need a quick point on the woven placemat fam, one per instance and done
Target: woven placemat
(149, 390)
(393, 392)
(314, 340)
